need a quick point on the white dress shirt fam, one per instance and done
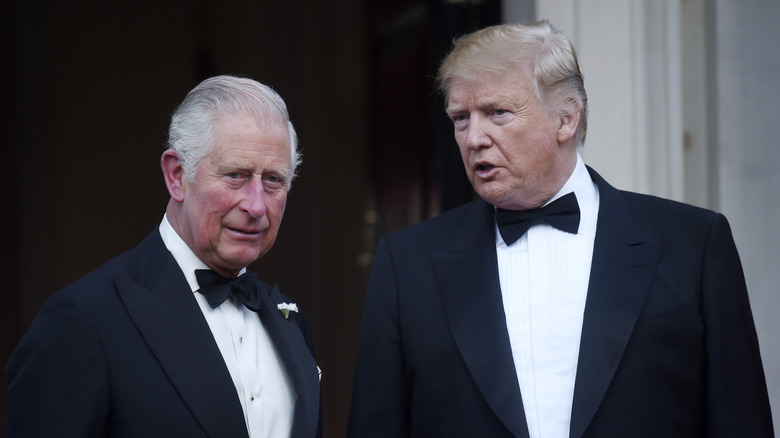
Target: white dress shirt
(260, 378)
(544, 279)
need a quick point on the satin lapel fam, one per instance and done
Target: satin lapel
(166, 314)
(621, 274)
(467, 277)
(298, 361)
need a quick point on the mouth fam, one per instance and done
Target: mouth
(246, 233)
(484, 169)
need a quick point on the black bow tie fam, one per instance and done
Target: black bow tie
(563, 214)
(217, 288)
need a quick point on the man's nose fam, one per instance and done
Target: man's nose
(476, 136)
(254, 201)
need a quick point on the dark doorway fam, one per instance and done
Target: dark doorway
(88, 89)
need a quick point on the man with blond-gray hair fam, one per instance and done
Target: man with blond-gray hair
(175, 338)
(555, 306)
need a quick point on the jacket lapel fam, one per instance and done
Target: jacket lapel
(621, 273)
(467, 277)
(298, 360)
(160, 302)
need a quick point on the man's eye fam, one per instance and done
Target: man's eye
(235, 179)
(274, 182)
(500, 112)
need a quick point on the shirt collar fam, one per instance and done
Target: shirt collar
(580, 183)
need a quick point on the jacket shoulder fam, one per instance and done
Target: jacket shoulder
(93, 286)
(652, 214)
(649, 210)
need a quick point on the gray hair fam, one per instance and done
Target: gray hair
(546, 53)
(191, 133)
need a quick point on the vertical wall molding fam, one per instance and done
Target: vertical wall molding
(633, 67)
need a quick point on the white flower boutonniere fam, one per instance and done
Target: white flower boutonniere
(286, 308)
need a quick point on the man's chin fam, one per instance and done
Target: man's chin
(491, 194)
(239, 259)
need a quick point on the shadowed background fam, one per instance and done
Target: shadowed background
(88, 88)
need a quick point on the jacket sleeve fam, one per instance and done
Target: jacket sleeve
(57, 377)
(737, 400)
(380, 397)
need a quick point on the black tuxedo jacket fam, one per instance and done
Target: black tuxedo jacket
(668, 346)
(126, 352)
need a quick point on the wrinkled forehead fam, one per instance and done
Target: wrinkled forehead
(510, 79)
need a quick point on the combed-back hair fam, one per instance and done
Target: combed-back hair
(191, 133)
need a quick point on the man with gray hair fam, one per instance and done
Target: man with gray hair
(176, 337)
(555, 306)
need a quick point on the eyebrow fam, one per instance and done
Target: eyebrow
(485, 102)
(453, 110)
(227, 167)
(494, 101)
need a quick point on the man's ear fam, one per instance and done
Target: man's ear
(568, 123)
(173, 172)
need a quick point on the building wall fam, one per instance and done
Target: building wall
(683, 104)
(745, 120)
